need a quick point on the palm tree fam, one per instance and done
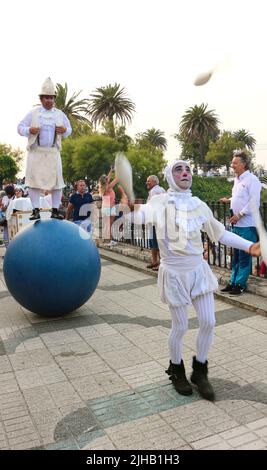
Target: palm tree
(74, 109)
(109, 103)
(155, 137)
(243, 136)
(198, 126)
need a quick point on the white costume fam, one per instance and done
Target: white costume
(44, 168)
(184, 276)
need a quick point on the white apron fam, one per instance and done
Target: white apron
(44, 169)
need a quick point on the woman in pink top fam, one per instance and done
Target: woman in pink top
(108, 203)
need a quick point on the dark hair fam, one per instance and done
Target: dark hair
(9, 190)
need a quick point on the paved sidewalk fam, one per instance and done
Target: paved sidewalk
(95, 379)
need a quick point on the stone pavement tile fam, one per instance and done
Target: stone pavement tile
(125, 357)
(63, 393)
(110, 381)
(243, 439)
(218, 446)
(3, 444)
(110, 343)
(16, 411)
(8, 383)
(255, 445)
(35, 346)
(41, 357)
(5, 365)
(51, 374)
(38, 398)
(28, 378)
(244, 418)
(207, 442)
(88, 388)
(227, 424)
(70, 349)
(60, 337)
(68, 444)
(80, 366)
(45, 423)
(20, 360)
(100, 443)
(142, 373)
(259, 424)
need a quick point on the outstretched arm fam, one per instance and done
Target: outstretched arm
(234, 241)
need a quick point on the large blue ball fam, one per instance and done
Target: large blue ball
(51, 267)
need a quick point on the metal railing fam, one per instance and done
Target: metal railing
(218, 255)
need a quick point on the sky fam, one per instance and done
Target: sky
(152, 48)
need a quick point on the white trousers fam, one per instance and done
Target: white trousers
(204, 306)
(35, 194)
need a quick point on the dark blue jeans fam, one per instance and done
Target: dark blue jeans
(242, 261)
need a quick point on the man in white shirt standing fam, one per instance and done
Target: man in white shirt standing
(45, 126)
(247, 188)
(152, 184)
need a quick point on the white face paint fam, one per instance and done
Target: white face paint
(182, 175)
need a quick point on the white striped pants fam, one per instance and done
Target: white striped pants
(204, 306)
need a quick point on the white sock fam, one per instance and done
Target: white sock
(35, 197)
(56, 195)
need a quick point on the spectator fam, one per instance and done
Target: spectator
(108, 210)
(247, 188)
(10, 194)
(79, 205)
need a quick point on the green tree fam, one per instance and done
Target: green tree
(118, 133)
(145, 161)
(221, 151)
(67, 157)
(110, 103)
(74, 109)
(16, 154)
(8, 164)
(154, 137)
(245, 138)
(91, 156)
(198, 127)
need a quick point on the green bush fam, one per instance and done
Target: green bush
(211, 189)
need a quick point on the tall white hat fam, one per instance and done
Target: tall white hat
(48, 88)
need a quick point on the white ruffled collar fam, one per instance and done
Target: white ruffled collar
(183, 201)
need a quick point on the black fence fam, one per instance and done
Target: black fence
(216, 254)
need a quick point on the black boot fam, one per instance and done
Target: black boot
(199, 377)
(178, 378)
(228, 288)
(35, 214)
(56, 215)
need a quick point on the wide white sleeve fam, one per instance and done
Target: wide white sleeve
(24, 125)
(233, 240)
(212, 227)
(66, 124)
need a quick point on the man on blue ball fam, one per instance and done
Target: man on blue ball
(45, 126)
